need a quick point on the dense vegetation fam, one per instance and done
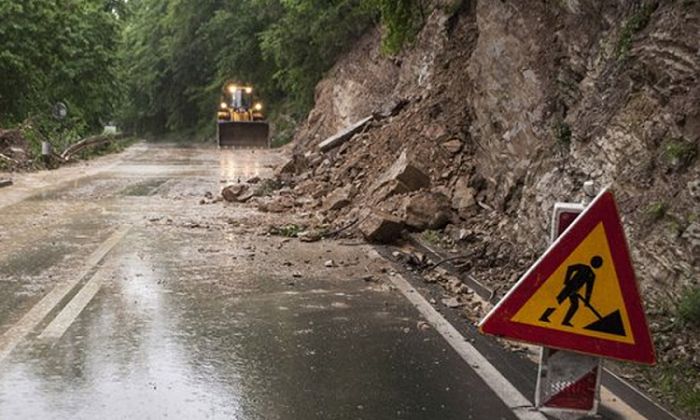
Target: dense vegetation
(159, 65)
(58, 50)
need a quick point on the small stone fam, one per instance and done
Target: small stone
(329, 263)
(452, 302)
(453, 146)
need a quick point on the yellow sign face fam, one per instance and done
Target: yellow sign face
(582, 296)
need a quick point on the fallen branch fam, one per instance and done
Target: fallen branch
(346, 227)
(446, 260)
(8, 159)
(84, 143)
(344, 135)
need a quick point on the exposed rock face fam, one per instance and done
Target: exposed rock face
(427, 210)
(511, 107)
(526, 103)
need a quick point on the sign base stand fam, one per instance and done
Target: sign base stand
(568, 384)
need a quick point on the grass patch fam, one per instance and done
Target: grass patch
(432, 237)
(562, 132)
(634, 24)
(656, 211)
(266, 187)
(689, 307)
(117, 145)
(680, 384)
(679, 153)
(288, 231)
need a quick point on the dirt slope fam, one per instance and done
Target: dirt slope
(511, 106)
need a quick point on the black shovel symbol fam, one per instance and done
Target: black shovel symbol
(610, 324)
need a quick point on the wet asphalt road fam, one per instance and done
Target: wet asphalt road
(195, 313)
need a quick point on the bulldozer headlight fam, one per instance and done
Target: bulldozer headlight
(258, 107)
(223, 105)
(249, 90)
(232, 88)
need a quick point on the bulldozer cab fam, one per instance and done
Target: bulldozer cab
(240, 121)
(239, 100)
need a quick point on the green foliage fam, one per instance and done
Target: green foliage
(308, 38)
(634, 24)
(679, 382)
(178, 54)
(432, 237)
(53, 50)
(266, 187)
(562, 132)
(679, 153)
(402, 19)
(116, 145)
(288, 231)
(689, 307)
(656, 211)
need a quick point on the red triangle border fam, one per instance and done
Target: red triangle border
(498, 321)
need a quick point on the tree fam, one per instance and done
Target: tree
(54, 50)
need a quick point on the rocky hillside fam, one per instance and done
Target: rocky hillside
(501, 108)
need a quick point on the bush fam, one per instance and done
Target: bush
(634, 24)
(402, 19)
(689, 307)
(679, 153)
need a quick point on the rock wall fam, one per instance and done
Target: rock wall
(543, 96)
(510, 106)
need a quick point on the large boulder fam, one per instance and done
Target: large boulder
(463, 197)
(401, 177)
(236, 193)
(381, 227)
(295, 164)
(427, 210)
(339, 198)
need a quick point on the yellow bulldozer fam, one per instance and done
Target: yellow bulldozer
(240, 120)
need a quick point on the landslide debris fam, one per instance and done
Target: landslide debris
(506, 109)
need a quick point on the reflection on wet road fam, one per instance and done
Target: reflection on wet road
(198, 316)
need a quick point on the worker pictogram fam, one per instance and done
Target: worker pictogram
(579, 276)
(581, 294)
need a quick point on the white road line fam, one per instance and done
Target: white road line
(70, 312)
(511, 397)
(12, 337)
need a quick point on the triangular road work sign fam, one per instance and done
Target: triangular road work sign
(581, 295)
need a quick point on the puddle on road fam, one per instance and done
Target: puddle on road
(144, 188)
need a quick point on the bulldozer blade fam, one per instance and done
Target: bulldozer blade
(252, 134)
